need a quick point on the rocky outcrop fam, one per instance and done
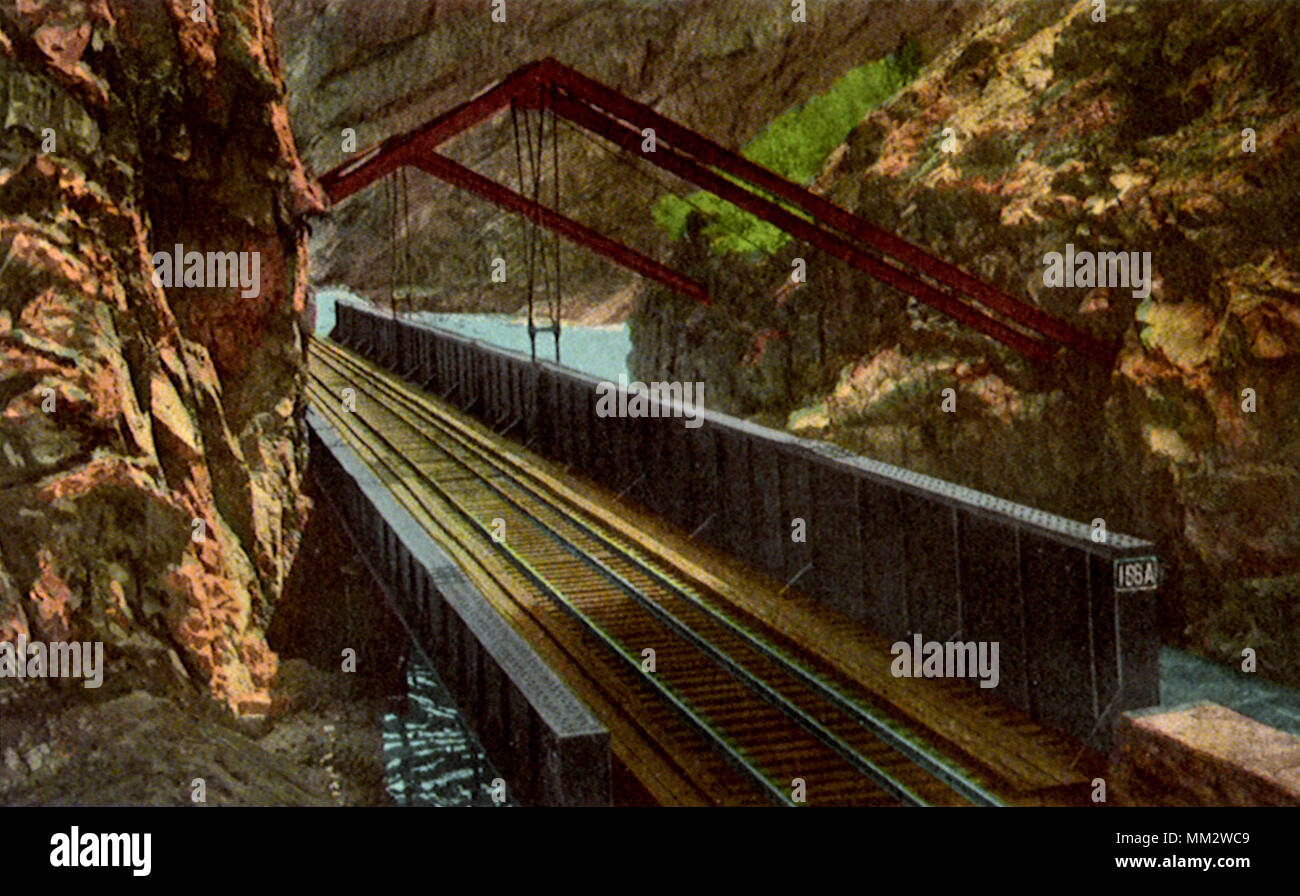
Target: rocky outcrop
(141, 749)
(150, 442)
(725, 67)
(1166, 128)
(1203, 754)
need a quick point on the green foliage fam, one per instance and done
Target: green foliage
(796, 145)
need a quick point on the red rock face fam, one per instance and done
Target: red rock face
(150, 447)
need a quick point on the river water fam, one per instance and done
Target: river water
(599, 351)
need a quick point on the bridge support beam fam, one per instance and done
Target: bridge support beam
(1026, 329)
(455, 173)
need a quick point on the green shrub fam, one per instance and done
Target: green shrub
(796, 145)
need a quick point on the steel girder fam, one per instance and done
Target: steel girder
(796, 210)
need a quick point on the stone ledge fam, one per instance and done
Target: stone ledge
(1204, 754)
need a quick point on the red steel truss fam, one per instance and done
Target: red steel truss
(547, 84)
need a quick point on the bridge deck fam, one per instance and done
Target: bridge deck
(996, 748)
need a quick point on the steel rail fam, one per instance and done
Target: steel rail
(734, 754)
(485, 570)
(787, 707)
(872, 722)
(878, 727)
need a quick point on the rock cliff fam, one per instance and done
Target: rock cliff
(150, 443)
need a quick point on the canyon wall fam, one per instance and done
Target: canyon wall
(151, 449)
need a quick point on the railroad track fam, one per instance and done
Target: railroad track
(781, 726)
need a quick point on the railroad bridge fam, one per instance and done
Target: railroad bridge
(616, 601)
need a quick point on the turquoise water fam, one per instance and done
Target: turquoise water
(599, 351)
